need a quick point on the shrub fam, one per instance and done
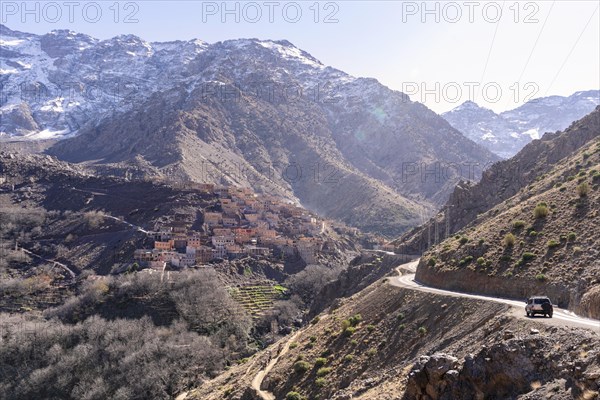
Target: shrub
(349, 331)
(480, 261)
(370, 328)
(571, 236)
(583, 189)
(431, 262)
(463, 240)
(481, 241)
(540, 211)
(400, 317)
(505, 257)
(345, 324)
(402, 327)
(320, 361)
(315, 320)
(320, 382)
(301, 367)
(533, 233)
(518, 224)
(93, 219)
(355, 319)
(293, 345)
(348, 358)
(294, 396)
(354, 342)
(323, 371)
(422, 331)
(509, 240)
(527, 256)
(313, 339)
(541, 277)
(552, 244)
(371, 352)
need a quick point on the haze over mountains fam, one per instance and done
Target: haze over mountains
(263, 114)
(506, 133)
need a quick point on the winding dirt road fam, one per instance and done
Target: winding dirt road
(406, 279)
(260, 376)
(54, 262)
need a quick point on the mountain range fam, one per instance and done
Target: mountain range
(246, 112)
(506, 133)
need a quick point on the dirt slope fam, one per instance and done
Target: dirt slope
(516, 250)
(378, 354)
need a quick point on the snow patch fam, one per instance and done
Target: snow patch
(533, 133)
(47, 134)
(14, 42)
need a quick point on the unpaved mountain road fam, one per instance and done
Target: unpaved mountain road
(561, 317)
(260, 376)
(54, 262)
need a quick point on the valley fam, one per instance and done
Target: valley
(233, 217)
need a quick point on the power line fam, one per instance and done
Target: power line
(536, 42)
(492, 44)
(570, 52)
(518, 82)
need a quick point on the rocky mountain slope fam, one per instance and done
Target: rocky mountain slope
(543, 237)
(506, 133)
(258, 113)
(390, 343)
(500, 183)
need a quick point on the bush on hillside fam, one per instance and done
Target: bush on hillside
(540, 211)
(583, 189)
(509, 240)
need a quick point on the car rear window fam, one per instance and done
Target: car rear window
(541, 301)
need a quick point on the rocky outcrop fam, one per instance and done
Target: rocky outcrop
(590, 303)
(508, 369)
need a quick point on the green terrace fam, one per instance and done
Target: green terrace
(257, 299)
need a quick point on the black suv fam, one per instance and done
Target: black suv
(539, 305)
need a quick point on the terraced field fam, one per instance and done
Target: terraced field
(257, 299)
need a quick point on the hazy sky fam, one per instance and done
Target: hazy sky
(498, 54)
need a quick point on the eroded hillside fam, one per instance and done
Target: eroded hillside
(542, 240)
(374, 346)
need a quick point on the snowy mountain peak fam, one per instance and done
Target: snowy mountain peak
(73, 79)
(467, 105)
(506, 133)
